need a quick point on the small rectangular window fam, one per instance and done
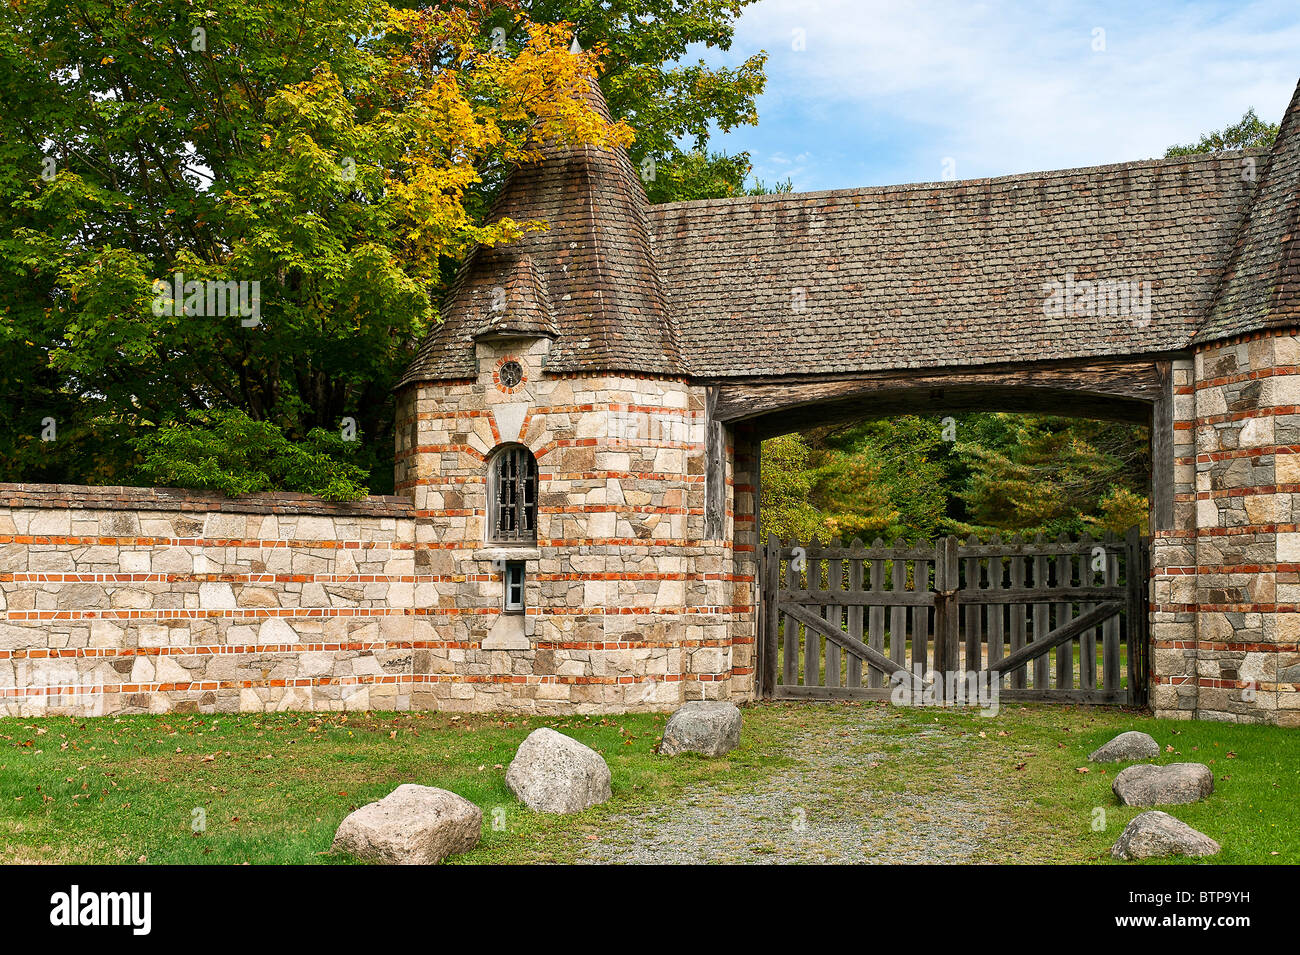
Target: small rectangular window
(514, 580)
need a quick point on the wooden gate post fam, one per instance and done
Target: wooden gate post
(771, 582)
(947, 613)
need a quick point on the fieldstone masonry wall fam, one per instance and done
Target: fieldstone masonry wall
(1226, 588)
(629, 606)
(120, 600)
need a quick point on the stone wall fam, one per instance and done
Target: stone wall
(121, 600)
(1226, 634)
(628, 605)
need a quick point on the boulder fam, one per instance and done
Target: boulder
(1148, 785)
(412, 825)
(1127, 747)
(1155, 834)
(553, 773)
(711, 728)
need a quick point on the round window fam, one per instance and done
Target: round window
(510, 374)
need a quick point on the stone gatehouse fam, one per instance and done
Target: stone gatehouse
(576, 522)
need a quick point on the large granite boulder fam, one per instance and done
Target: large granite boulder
(1127, 747)
(554, 773)
(1148, 785)
(710, 728)
(1156, 834)
(412, 825)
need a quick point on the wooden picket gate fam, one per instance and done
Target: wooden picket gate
(1062, 620)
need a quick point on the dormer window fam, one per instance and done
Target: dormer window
(512, 496)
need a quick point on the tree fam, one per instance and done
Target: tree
(784, 506)
(883, 477)
(229, 451)
(327, 152)
(673, 104)
(1030, 473)
(871, 479)
(1250, 133)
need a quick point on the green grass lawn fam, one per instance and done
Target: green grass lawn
(1253, 813)
(273, 788)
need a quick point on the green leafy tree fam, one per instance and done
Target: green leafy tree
(327, 151)
(229, 451)
(1028, 474)
(873, 479)
(884, 477)
(673, 102)
(784, 506)
(1249, 133)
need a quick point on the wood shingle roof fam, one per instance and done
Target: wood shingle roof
(914, 276)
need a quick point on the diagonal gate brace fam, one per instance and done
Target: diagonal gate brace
(1058, 636)
(852, 645)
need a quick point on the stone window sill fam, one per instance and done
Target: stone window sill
(504, 552)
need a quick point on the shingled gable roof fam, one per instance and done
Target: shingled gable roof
(594, 266)
(946, 274)
(914, 276)
(1261, 286)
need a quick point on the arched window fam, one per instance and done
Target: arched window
(512, 495)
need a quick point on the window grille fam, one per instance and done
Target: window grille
(513, 488)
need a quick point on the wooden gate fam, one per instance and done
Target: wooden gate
(1062, 620)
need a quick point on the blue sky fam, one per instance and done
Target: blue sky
(886, 92)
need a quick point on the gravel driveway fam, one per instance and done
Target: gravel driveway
(859, 792)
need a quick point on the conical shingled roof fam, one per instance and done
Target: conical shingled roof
(589, 279)
(1261, 285)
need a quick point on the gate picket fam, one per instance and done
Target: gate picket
(1087, 639)
(898, 615)
(1042, 616)
(974, 614)
(834, 615)
(855, 613)
(1110, 629)
(877, 615)
(995, 635)
(812, 641)
(1019, 564)
(789, 631)
(1064, 614)
(921, 616)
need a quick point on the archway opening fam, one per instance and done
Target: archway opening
(953, 529)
